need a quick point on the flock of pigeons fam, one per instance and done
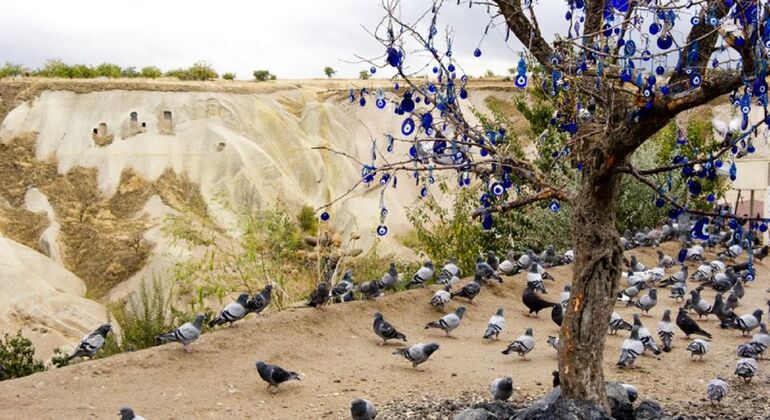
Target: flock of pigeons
(723, 278)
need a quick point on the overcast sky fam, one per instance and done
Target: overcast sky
(293, 39)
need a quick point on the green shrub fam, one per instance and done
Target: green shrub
(263, 75)
(108, 70)
(129, 72)
(201, 71)
(180, 74)
(364, 75)
(307, 219)
(13, 69)
(329, 72)
(147, 314)
(151, 72)
(228, 76)
(54, 68)
(17, 357)
(82, 71)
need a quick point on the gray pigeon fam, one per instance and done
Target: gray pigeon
(636, 265)
(632, 348)
(385, 331)
(127, 413)
(535, 279)
(522, 345)
(470, 290)
(274, 375)
(450, 273)
(747, 323)
(617, 323)
(441, 297)
(699, 348)
(746, 368)
(418, 353)
(185, 334)
(761, 340)
(508, 266)
(645, 337)
(361, 409)
(422, 276)
(665, 261)
(232, 312)
(260, 301)
(370, 290)
(554, 342)
(501, 388)
(700, 305)
(485, 271)
(495, 325)
(389, 279)
(666, 330)
(645, 303)
(449, 321)
(565, 295)
(92, 343)
(717, 389)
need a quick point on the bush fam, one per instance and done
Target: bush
(180, 74)
(151, 72)
(307, 219)
(108, 70)
(263, 75)
(147, 314)
(201, 71)
(329, 72)
(228, 76)
(12, 69)
(129, 72)
(364, 75)
(82, 71)
(17, 357)
(54, 68)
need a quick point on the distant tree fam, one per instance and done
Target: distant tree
(364, 75)
(82, 71)
(17, 357)
(13, 69)
(108, 70)
(54, 67)
(489, 73)
(228, 76)
(263, 75)
(180, 74)
(329, 72)
(129, 72)
(151, 72)
(201, 70)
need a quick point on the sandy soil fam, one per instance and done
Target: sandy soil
(337, 354)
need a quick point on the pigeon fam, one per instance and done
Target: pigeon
(553, 342)
(645, 337)
(274, 375)
(470, 290)
(678, 277)
(492, 260)
(726, 317)
(260, 301)
(666, 330)
(645, 303)
(361, 409)
(731, 302)
(738, 289)
(549, 256)
(555, 382)
(535, 279)
(501, 388)
(760, 254)
(631, 349)
(634, 279)
(495, 325)
(746, 368)
(343, 288)
(569, 256)
(629, 293)
(522, 345)
(185, 334)
(232, 312)
(747, 323)
(617, 323)
(319, 296)
(699, 348)
(449, 321)
(423, 275)
(688, 325)
(92, 343)
(761, 340)
(385, 331)
(534, 302)
(636, 265)
(716, 390)
(524, 261)
(484, 271)
(370, 290)
(508, 265)
(450, 274)
(565, 295)
(731, 252)
(700, 305)
(441, 297)
(418, 353)
(127, 413)
(678, 291)
(557, 314)
(665, 261)
(704, 272)
(389, 279)
(631, 391)
(747, 350)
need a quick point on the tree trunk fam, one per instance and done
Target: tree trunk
(598, 257)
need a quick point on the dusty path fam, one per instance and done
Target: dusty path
(337, 354)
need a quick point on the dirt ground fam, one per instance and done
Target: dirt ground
(339, 358)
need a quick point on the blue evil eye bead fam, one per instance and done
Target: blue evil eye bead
(424, 192)
(383, 213)
(646, 55)
(373, 70)
(477, 52)
(665, 42)
(463, 93)
(647, 92)
(362, 101)
(380, 103)
(426, 120)
(435, 69)
(451, 68)
(486, 221)
(695, 21)
(660, 70)
(407, 104)
(659, 203)
(733, 172)
(654, 28)
(664, 90)
(497, 189)
(710, 198)
(554, 206)
(695, 80)
(394, 57)
(763, 228)
(521, 81)
(687, 171)
(382, 230)
(713, 19)
(620, 5)
(324, 216)
(700, 230)
(629, 48)
(751, 149)
(413, 152)
(682, 255)
(732, 223)
(554, 59)
(407, 127)
(694, 187)
(384, 179)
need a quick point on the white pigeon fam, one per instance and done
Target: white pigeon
(717, 389)
(496, 325)
(632, 348)
(448, 322)
(441, 297)
(698, 347)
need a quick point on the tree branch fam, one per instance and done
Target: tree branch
(528, 34)
(542, 195)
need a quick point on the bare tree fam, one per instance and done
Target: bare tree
(607, 105)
